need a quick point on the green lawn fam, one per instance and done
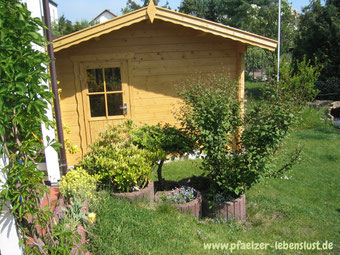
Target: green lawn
(305, 207)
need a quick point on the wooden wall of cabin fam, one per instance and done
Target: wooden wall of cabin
(159, 56)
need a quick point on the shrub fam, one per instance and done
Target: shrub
(211, 113)
(117, 162)
(211, 116)
(298, 85)
(162, 141)
(78, 184)
(234, 160)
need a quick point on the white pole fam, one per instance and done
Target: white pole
(51, 155)
(279, 43)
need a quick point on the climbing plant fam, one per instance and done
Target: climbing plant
(23, 104)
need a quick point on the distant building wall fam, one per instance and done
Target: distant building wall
(105, 16)
(36, 7)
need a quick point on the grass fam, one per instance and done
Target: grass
(179, 170)
(304, 207)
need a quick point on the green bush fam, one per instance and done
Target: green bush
(78, 184)
(162, 141)
(233, 162)
(298, 85)
(211, 116)
(211, 112)
(117, 162)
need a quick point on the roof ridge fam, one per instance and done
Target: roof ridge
(167, 16)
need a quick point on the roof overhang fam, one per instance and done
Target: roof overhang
(152, 13)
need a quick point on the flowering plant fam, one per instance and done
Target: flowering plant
(92, 217)
(180, 195)
(78, 184)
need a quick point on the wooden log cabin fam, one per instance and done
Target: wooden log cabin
(127, 68)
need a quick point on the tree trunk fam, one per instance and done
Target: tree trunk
(159, 172)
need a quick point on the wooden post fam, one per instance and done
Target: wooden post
(241, 86)
(241, 76)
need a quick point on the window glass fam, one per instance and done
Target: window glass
(97, 105)
(95, 80)
(113, 79)
(114, 104)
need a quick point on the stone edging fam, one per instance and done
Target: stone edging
(231, 210)
(193, 207)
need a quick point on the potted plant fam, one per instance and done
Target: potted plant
(238, 147)
(119, 165)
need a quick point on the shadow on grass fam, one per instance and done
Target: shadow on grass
(320, 133)
(166, 185)
(329, 157)
(199, 183)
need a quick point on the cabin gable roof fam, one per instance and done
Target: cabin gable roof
(153, 12)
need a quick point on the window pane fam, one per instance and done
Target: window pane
(95, 80)
(113, 79)
(114, 103)
(97, 106)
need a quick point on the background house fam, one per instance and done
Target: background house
(103, 16)
(35, 6)
(127, 67)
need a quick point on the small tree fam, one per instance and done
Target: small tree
(162, 140)
(234, 160)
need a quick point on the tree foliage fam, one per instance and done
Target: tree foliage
(65, 26)
(131, 5)
(256, 16)
(319, 36)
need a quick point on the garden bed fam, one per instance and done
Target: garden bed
(59, 213)
(193, 207)
(146, 194)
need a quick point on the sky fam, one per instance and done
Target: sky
(76, 10)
